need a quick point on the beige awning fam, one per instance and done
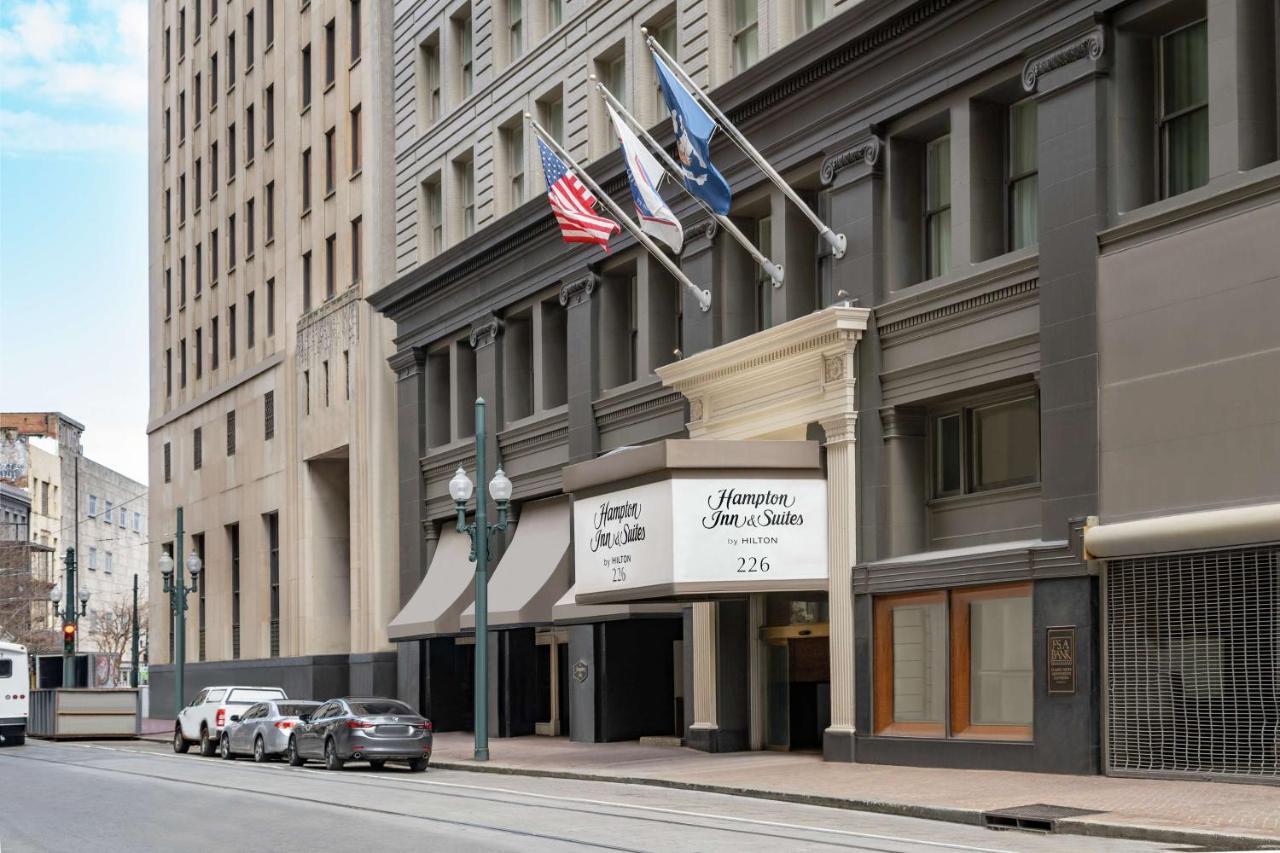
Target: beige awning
(444, 592)
(1190, 531)
(536, 570)
(568, 612)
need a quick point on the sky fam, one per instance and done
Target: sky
(73, 219)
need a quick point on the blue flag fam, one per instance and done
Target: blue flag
(693, 129)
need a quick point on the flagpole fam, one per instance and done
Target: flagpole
(774, 270)
(703, 296)
(836, 241)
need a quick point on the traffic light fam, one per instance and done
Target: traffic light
(69, 638)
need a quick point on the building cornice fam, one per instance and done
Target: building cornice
(1089, 45)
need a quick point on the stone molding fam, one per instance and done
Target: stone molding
(485, 332)
(575, 291)
(408, 363)
(1089, 45)
(902, 422)
(330, 327)
(864, 152)
(964, 306)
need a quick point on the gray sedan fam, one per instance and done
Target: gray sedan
(376, 730)
(263, 729)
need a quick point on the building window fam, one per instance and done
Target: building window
(231, 331)
(213, 257)
(269, 104)
(231, 433)
(551, 115)
(199, 353)
(107, 513)
(199, 267)
(514, 145)
(213, 81)
(231, 243)
(213, 343)
(1024, 200)
(196, 94)
(306, 77)
(346, 374)
(1184, 109)
(937, 207)
(515, 29)
(330, 250)
(746, 34)
(182, 117)
(231, 152)
(268, 415)
(249, 320)
(168, 463)
(166, 52)
(958, 660)
(231, 60)
(357, 248)
(107, 561)
(168, 373)
(433, 217)
(325, 366)
(248, 41)
(665, 34)
(213, 169)
(306, 282)
(271, 212)
(93, 559)
(465, 170)
(273, 575)
(271, 24)
(306, 181)
(197, 451)
(429, 80)
(354, 20)
(182, 363)
(248, 134)
(248, 229)
(328, 161)
(555, 14)
(330, 48)
(812, 14)
(197, 545)
(462, 29)
(985, 447)
(306, 391)
(182, 34)
(233, 544)
(356, 153)
(271, 307)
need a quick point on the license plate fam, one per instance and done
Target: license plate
(393, 730)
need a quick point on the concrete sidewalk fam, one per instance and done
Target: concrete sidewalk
(1213, 814)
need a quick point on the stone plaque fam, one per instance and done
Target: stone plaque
(1061, 660)
(580, 671)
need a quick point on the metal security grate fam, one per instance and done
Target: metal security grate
(1193, 664)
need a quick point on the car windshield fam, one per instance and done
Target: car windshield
(296, 709)
(377, 707)
(250, 696)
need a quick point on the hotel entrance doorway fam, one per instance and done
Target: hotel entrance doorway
(798, 673)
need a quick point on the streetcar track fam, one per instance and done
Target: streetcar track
(374, 781)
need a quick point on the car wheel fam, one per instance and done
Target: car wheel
(224, 748)
(259, 751)
(331, 759)
(417, 765)
(208, 746)
(180, 744)
(295, 760)
(15, 740)
(377, 763)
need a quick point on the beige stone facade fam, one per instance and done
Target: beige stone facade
(271, 400)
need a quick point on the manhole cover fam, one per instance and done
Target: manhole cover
(1037, 817)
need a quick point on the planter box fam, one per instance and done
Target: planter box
(84, 713)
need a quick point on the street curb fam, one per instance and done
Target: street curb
(971, 817)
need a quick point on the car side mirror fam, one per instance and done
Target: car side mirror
(235, 718)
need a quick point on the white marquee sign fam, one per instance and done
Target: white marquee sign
(661, 536)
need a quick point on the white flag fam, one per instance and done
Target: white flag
(645, 174)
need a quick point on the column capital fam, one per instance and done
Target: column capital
(578, 289)
(841, 429)
(700, 237)
(1090, 45)
(485, 331)
(863, 152)
(902, 421)
(407, 362)
(430, 532)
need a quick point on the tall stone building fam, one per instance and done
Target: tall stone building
(271, 401)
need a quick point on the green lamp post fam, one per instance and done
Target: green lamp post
(70, 618)
(175, 585)
(460, 489)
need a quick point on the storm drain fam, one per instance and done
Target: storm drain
(1037, 817)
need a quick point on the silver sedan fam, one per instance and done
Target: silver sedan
(373, 730)
(263, 729)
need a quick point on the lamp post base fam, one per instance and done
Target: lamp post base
(482, 754)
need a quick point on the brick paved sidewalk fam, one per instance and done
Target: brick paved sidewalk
(1211, 812)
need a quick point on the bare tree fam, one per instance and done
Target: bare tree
(113, 632)
(24, 601)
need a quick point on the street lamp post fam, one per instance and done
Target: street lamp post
(175, 585)
(460, 489)
(70, 618)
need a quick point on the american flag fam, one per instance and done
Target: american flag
(573, 203)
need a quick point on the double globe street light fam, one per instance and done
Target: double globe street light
(460, 489)
(70, 618)
(175, 586)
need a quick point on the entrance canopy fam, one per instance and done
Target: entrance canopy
(534, 573)
(683, 519)
(568, 612)
(444, 592)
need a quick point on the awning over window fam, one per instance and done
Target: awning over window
(534, 573)
(444, 592)
(1191, 531)
(568, 612)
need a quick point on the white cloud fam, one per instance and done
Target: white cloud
(36, 133)
(40, 31)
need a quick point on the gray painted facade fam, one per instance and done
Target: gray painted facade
(1138, 325)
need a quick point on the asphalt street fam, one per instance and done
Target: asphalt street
(106, 797)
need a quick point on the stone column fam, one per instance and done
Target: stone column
(1242, 78)
(583, 381)
(698, 261)
(838, 740)
(702, 734)
(757, 674)
(904, 453)
(411, 446)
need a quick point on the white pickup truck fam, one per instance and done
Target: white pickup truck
(203, 720)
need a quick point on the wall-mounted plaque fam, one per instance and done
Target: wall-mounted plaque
(1061, 660)
(580, 671)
